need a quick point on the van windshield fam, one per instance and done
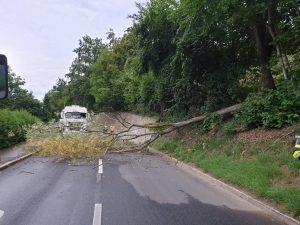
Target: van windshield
(75, 115)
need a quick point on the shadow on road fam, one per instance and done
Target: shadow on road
(122, 204)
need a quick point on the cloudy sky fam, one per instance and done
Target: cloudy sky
(38, 36)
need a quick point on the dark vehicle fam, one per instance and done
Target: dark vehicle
(3, 77)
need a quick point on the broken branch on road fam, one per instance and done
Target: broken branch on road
(96, 142)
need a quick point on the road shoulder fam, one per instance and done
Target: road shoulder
(204, 176)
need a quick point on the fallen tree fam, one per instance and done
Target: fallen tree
(97, 141)
(154, 130)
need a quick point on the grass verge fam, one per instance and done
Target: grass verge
(264, 168)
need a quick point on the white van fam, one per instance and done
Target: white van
(73, 118)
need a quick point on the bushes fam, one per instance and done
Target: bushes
(271, 108)
(211, 122)
(13, 126)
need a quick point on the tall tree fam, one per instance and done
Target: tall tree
(80, 71)
(20, 98)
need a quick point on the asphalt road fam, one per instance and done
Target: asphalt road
(11, 153)
(127, 189)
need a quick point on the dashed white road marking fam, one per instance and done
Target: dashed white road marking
(97, 214)
(100, 168)
(98, 180)
(1, 215)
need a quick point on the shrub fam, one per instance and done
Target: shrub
(211, 122)
(271, 108)
(13, 125)
(229, 128)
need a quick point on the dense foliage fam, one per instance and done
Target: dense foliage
(185, 57)
(13, 125)
(271, 108)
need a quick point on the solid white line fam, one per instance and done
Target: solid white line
(100, 168)
(1, 215)
(97, 214)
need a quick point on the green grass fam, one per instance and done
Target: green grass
(254, 167)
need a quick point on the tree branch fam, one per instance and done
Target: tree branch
(157, 130)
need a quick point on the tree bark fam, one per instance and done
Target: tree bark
(264, 53)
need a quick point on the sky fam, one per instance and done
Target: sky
(39, 36)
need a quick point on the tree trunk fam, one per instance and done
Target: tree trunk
(279, 53)
(274, 32)
(128, 131)
(296, 6)
(264, 54)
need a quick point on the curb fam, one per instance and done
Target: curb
(196, 171)
(7, 164)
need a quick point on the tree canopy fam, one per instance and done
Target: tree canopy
(21, 99)
(185, 57)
